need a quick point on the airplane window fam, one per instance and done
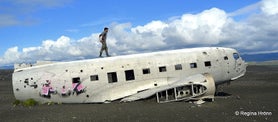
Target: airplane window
(112, 77)
(178, 67)
(226, 58)
(146, 71)
(162, 69)
(129, 75)
(236, 56)
(76, 80)
(193, 65)
(26, 81)
(207, 63)
(94, 77)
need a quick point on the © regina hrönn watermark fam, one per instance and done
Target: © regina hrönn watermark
(253, 113)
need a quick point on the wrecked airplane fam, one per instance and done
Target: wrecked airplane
(176, 75)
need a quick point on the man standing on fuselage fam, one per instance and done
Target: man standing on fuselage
(102, 39)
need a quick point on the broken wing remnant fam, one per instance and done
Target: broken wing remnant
(200, 86)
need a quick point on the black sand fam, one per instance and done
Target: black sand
(251, 98)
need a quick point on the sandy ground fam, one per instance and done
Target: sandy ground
(251, 98)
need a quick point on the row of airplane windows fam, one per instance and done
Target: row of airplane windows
(112, 76)
(129, 74)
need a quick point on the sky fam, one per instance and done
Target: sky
(65, 30)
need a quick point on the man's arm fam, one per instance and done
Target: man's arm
(100, 37)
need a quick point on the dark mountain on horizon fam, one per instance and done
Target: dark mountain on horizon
(7, 67)
(260, 57)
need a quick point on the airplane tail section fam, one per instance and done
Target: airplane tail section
(26, 65)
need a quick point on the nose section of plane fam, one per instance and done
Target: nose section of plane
(241, 70)
(246, 64)
(244, 67)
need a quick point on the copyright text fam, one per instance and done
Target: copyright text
(253, 113)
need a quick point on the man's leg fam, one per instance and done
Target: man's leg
(106, 51)
(101, 50)
(100, 53)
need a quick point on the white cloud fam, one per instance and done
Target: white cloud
(155, 27)
(213, 27)
(270, 7)
(202, 28)
(11, 55)
(61, 43)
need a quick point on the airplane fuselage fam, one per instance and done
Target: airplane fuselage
(112, 78)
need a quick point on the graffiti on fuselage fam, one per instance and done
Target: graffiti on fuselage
(48, 90)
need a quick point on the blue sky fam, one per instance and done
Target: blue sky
(67, 29)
